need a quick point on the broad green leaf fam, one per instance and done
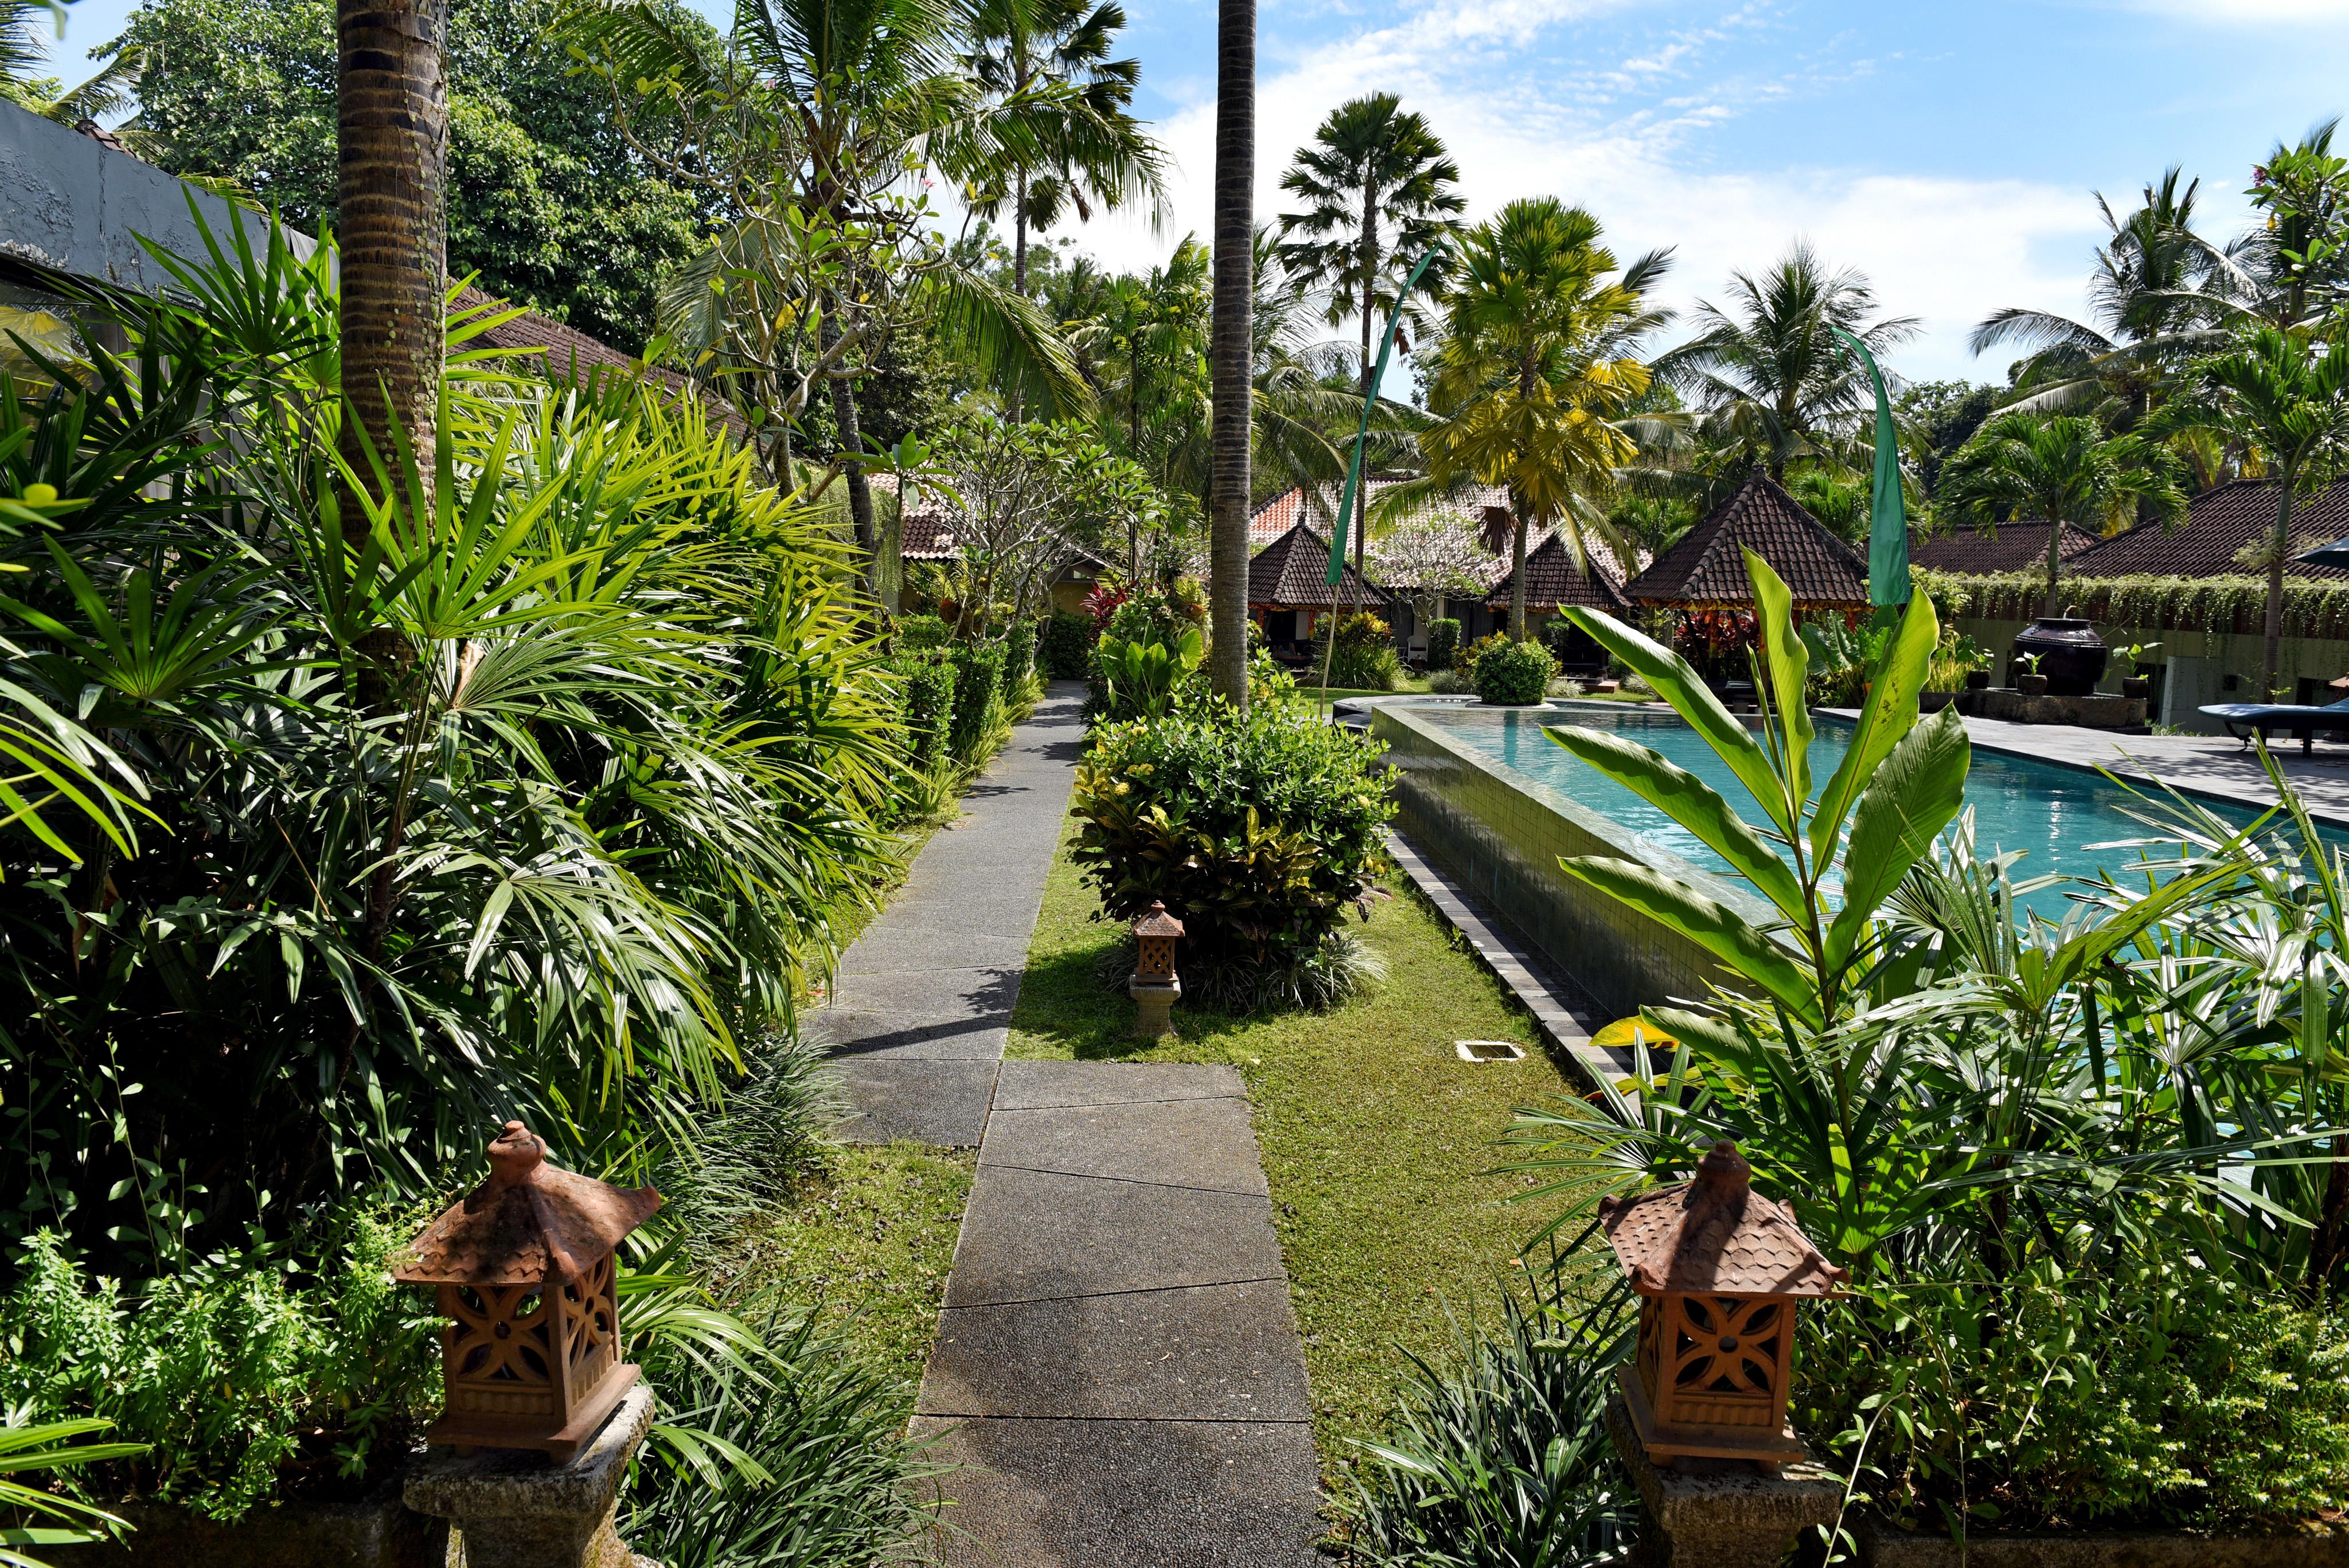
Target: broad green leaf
(1890, 712)
(1714, 927)
(1681, 686)
(1916, 791)
(1789, 662)
(1694, 804)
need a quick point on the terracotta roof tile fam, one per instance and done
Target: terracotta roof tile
(2220, 525)
(1714, 1235)
(1293, 570)
(2009, 547)
(570, 353)
(1552, 580)
(1286, 510)
(1708, 567)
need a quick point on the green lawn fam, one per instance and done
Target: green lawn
(1376, 1136)
(867, 1235)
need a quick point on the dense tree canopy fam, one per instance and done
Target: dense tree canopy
(547, 201)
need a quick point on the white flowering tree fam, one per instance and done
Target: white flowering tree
(1430, 560)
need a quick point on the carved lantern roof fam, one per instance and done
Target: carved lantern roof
(528, 1223)
(1715, 1236)
(1157, 922)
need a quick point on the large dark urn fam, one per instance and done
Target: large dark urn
(2071, 655)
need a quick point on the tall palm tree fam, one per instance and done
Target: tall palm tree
(391, 137)
(1098, 155)
(2285, 398)
(1536, 373)
(2024, 466)
(1379, 189)
(2155, 297)
(1771, 381)
(1231, 345)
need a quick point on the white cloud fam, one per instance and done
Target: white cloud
(2230, 12)
(1946, 250)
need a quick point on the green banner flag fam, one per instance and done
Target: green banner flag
(1887, 526)
(1362, 436)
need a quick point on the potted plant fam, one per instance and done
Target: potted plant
(1974, 658)
(2138, 683)
(2031, 683)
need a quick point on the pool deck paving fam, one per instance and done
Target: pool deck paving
(2202, 764)
(1117, 1372)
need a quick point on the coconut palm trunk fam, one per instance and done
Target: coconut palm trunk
(391, 134)
(1370, 310)
(2054, 563)
(860, 489)
(1230, 346)
(1516, 569)
(2270, 654)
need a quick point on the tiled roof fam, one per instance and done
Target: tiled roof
(923, 531)
(1294, 569)
(568, 352)
(2219, 526)
(2009, 547)
(1708, 565)
(1284, 511)
(1552, 580)
(1714, 1235)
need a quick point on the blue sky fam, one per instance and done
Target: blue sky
(1948, 149)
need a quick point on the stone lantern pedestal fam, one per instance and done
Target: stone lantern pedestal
(511, 1508)
(1719, 1513)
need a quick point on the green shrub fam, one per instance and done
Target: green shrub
(1514, 672)
(1365, 658)
(929, 707)
(1018, 659)
(1257, 829)
(1066, 651)
(1443, 642)
(297, 1371)
(922, 633)
(977, 698)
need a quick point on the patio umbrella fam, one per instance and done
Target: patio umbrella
(2336, 554)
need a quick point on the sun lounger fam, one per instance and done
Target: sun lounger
(2244, 719)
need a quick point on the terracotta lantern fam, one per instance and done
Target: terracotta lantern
(524, 1268)
(1719, 1269)
(1155, 987)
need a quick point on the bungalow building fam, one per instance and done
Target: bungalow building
(1318, 504)
(1992, 550)
(1704, 572)
(1554, 580)
(1289, 592)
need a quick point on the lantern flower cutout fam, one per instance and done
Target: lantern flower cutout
(1154, 985)
(1719, 1269)
(524, 1269)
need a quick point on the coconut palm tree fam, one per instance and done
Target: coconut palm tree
(1231, 345)
(2285, 398)
(1379, 191)
(2021, 467)
(1771, 381)
(1099, 154)
(391, 139)
(1535, 374)
(2156, 296)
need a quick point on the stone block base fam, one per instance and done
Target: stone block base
(378, 1531)
(514, 1510)
(1881, 1546)
(1719, 1513)
(2096, 712)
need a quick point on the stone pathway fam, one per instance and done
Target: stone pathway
(1117, 1365)
(922, 1001)
(1117, 1369)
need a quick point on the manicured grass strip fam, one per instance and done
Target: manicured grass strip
(1375, 1135)
(866, 1236)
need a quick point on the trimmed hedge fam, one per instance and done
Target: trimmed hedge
(928, 701)
(1067, 649)
(1443, 642)
(922, 633)
(1018, 658)
(977, 697)
(1514, 672)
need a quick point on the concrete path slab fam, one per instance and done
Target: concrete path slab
(1179, 1142)
(1033, 1235)
(921, 1004)
(1127, 1494)
(1117, 1342)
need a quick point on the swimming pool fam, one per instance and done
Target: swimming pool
(2052, 813)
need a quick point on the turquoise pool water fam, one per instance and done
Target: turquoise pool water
(2052, 813)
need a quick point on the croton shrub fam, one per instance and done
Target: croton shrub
(1257, 829)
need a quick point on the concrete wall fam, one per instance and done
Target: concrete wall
(70, 205)
(1501, 834)
(2195, 665)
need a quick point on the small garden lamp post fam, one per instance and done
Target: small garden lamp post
(1719, 1269)
(524, 1269)
(1154, 985)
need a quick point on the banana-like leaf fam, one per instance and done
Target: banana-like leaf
(1789, 662)
(1694, 804)
(1714, 927)
(1681, 686)
(1917, 792)
(1890, 712)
